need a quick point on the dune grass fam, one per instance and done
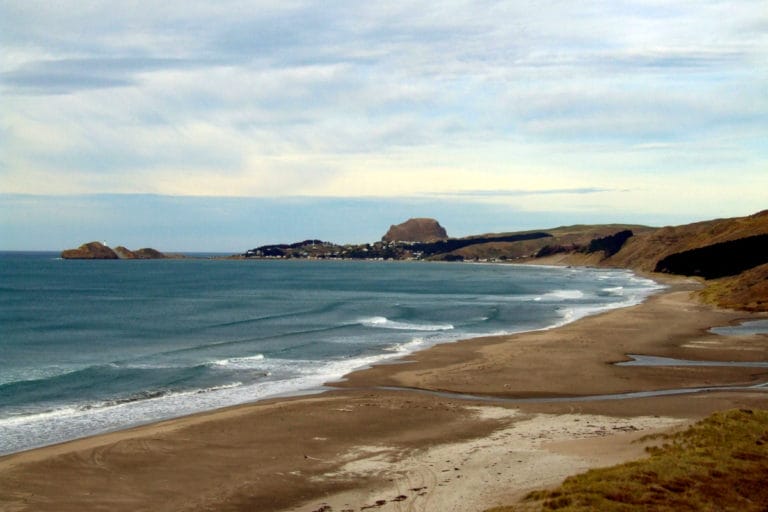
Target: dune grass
(720, 463)
(747, 291)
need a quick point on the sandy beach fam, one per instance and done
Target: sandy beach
(383, 440)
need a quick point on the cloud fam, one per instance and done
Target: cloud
(478, 100)
(517, 193)
(58, 76)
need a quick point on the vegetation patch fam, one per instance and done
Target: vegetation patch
(718, 260)
(720, 463)
(610, 244)
(747, 291)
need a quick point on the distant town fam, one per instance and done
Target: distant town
(398, 250)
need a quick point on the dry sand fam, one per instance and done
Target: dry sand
(361, 447)
(527, 452)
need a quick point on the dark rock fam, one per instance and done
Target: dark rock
(416, 230)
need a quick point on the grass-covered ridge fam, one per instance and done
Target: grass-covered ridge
(720, 463)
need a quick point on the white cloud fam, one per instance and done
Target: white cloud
(387, 99)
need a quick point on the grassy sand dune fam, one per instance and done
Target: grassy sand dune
(720, 463)
(747, 291)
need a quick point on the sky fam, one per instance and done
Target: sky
(220, 126)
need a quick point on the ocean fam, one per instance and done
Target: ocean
(94, 346)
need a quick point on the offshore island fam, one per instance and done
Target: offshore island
(500, 421)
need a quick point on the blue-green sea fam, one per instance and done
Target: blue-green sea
(95, 346)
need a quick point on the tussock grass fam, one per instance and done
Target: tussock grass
(720, 463)
(747, 291)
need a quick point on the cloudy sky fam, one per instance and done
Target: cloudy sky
(224, 125)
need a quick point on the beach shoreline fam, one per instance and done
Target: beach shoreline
(236, 354)
(361, 444)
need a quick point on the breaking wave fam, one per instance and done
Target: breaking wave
(382, 322)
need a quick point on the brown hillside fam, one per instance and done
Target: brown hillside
(565, 238)
(747, 291)
(502, 250)
(643, 251)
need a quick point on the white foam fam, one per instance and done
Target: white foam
(644, 282)
(231, 385)
(89, 408)
(406, 348)
(563, 295)
(382, 322)
(32, 374)
(239, 362)
(571, 314)
(42, 417)
(295, 376)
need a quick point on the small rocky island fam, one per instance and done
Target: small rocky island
(100, 251)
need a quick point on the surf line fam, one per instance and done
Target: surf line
(763, 386)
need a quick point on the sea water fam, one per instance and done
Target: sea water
(94, 346)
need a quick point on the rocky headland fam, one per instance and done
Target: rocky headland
(416, 230)
(146, 253)
(100, 251)
(90, 251)
(727, 254)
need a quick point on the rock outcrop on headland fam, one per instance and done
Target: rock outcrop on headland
(99, 251)
(90, 251)
(139, 254)
(148, 253)
(124, 253)
(416, 230)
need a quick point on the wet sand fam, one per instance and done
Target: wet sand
(361, 447)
